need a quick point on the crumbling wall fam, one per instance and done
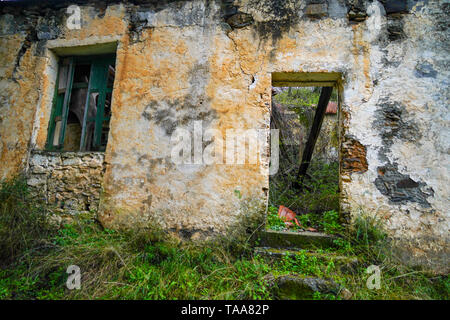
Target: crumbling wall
(401, 120)
(69, 181)
(183, 61)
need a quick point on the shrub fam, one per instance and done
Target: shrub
(330, 222)
(273, 221)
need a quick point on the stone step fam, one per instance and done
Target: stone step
(345, 264)
(300, 240)
(299, 287)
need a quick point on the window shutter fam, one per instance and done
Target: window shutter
(65, 85)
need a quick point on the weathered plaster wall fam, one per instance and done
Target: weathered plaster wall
(182, 61)
(18, 98)
(402, 121)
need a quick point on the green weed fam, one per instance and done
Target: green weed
(147, 264)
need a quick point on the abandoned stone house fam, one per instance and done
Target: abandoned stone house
(145, 68)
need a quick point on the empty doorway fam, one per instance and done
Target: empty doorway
(304, 192)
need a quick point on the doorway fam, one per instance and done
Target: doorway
(304, 192)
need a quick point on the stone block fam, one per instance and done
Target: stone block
(316, 10)
(72, 161)
(302, 240)
(38, 160)
(342, 263)
(37, 181)
(394, 6)
(39, 169)
(298, 287)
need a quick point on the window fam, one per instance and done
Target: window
(82, 104)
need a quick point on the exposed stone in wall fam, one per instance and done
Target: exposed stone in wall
(316, 10)
(395, 27)
(70, 180)
(356, 10)
(395, 6)
(354, 157)
(400, 187)
(239, 20)
(425, 69)
(393, 122)
(272, 18)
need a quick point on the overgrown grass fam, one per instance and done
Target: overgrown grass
(320, 195)
(148, 264)
(367, 240)
(24, 223)
(327, 221)
(143, 264)
(118, 265)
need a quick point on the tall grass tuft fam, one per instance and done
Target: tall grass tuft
(24, 221)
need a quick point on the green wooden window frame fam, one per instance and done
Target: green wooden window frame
(98, 83)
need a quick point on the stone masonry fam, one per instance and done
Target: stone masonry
(71, 181)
